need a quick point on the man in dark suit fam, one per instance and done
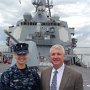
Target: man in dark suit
(67, 78)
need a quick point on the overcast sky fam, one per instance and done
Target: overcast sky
(75, 12)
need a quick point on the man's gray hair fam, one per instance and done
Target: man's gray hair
(58, 46)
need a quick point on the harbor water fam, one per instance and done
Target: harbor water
(83, 54)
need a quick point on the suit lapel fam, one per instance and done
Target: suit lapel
(65, 78)
(48, 78)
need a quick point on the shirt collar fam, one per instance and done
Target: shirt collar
(59, 69)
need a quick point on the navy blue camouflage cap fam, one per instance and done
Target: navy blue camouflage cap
(21, 48)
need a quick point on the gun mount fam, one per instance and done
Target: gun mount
(11, 36)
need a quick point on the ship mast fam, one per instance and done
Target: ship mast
(49, 6)
(43, 4)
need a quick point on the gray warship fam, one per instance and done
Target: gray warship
(41, 31)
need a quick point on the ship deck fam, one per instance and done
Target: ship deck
(86, 76)
(85, 73)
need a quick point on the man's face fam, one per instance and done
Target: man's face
(57, 57)
(21, 58)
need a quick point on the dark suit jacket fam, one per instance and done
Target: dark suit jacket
(71, 79)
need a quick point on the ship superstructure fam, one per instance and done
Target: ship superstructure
(45, 30)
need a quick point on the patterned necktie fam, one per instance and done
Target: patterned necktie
(54, 81)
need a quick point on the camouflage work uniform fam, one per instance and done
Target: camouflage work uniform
(16, 79)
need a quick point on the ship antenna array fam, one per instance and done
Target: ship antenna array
(20, 1)
(45, 3)
(49, 8)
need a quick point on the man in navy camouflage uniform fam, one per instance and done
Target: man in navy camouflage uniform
(20, 76)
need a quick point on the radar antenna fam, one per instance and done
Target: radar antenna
(20, 1)
(43, 3)
(48, 5)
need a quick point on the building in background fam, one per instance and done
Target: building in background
(4, 54)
